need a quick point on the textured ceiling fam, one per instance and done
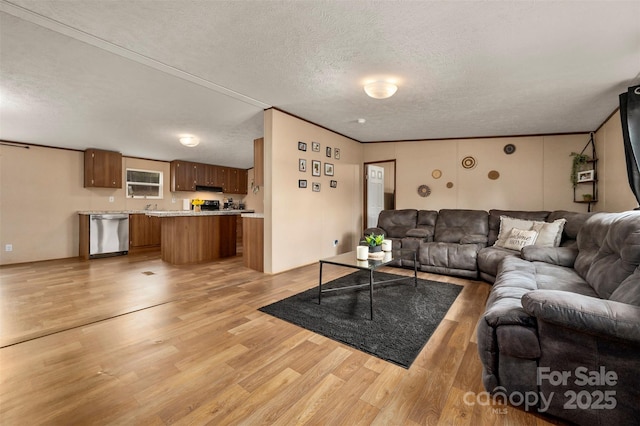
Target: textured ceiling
(132, 75)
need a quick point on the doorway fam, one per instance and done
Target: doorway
(379, 190)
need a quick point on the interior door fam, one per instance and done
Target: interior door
(375, 194)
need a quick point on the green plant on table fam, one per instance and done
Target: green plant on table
(374, 240)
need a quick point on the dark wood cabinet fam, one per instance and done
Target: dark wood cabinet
(144, 231)
(184, 175)
(102, 169)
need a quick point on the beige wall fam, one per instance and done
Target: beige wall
(614, 193)
(254, 200)
(301, 225)
(41, 191)
(535, 177)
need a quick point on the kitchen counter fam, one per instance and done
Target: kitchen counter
(168, 213)
(253, 215)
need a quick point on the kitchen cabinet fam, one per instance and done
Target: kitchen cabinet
(186, 175)
(253, 242)
(258, 162)
(206, 174)
(144, 231)
(183, 175)
(102, 169)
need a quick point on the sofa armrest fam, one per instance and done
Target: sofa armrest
(561, 256)
(425, 234)
(585, 314)
(474, 239)
(376, 231)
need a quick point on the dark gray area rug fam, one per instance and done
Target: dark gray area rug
(405, 316)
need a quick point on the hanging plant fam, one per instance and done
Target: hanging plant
(579, 160)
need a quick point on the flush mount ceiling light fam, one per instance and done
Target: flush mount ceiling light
(189, 141)
(380, 89)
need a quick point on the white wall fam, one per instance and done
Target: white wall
(534, 177)
(301, 225)
(614, 192)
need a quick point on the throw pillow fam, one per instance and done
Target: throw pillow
(549, 234)
(507, 224)
(519, 238)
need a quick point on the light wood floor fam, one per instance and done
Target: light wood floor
(133, 340)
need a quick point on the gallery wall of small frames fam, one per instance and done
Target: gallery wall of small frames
(317, 166)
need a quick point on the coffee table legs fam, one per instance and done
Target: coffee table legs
(320, 286)
(371, 292)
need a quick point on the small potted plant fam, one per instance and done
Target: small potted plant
(587, 197)
(197, 204)
(374, 242)
(579, 160)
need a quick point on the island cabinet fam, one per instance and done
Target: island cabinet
(197, 238)
(184, 175)
(102, 169)
(144, 232)
(253, 242)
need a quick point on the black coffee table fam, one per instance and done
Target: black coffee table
(349, 260)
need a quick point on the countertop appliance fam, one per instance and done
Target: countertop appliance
(108, 234)
(209, 205)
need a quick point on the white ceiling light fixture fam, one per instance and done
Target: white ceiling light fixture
(189, 141)
(380, 89)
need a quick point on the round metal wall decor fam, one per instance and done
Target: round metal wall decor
(449, 185)
(509, 148)
(468, 162)
(493, 174)
(424, 191)
(436, 174)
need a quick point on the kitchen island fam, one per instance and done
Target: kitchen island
(197, 237)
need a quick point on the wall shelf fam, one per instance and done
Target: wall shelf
(589, 186)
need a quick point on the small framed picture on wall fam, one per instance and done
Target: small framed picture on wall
(302, 165)
(328, 169)
(328, 151)
(333, 184)
(302, 183)
(302, 146)
(315, 167)
(315, 146)
(336, 153)
(316, 187)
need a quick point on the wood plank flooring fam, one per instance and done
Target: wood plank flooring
(134, 340)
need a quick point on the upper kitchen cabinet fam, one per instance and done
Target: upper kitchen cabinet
(102, 169)
(184, 175)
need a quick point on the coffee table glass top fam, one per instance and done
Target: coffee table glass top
(349, 259)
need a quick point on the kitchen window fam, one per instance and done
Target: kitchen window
(144, 184)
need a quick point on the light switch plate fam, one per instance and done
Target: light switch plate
(112, 199)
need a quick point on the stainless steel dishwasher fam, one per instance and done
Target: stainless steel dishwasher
(108, 235)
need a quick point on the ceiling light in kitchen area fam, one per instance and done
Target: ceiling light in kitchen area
(189, 141)
(380, 89)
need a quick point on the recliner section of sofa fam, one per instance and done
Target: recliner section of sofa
(575, 311)
(460, 242)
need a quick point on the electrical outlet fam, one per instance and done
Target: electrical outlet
(8, 247)
(335, 243)
(173, 200)
(112, 199)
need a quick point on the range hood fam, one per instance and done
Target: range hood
(217, 189)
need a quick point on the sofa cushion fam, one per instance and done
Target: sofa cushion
(396, 223)
(423, 233)
(575, 220)
(550, 234)
(449, 255)
(427, 221)
(519, 238)
(453, 225)
(561, 256)
(494, 220)
(490, 257)
(629, 290)
(609, 250)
